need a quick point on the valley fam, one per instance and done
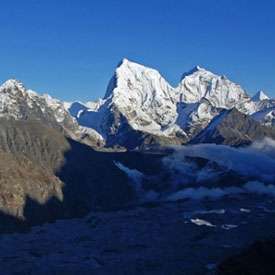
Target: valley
(143, 181)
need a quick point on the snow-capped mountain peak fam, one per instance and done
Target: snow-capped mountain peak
(129, 73)
(13, 87)
(143, 96)
(19, 103)
(16, 88)
(199, 68)
(201, 84)
(139, 99)
(12, 83)
(196, 69)
(139, 105)
(259, 96)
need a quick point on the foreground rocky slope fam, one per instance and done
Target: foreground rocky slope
(30, 155)
(44, 175)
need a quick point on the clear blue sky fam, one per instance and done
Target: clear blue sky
(69, 48)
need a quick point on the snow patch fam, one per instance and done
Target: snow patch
(229, 226)
(201, 222)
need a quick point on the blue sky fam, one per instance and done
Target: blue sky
(70, 48)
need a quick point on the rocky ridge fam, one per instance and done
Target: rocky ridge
(141, 104)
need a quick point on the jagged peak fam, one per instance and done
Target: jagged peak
(13, 83)
(134, 66)
(126, 62)
(16, 87)
(259, 96)
(199, 68)
(195, 70)
(124, 70)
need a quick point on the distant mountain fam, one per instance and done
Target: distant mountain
(232, 127)
(266, 116)
(260, 96)
(140, 107)
(19, 103)
(265, 111)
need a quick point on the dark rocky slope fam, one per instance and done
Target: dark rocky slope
(30, 153)
(44, 175)
(233, 128)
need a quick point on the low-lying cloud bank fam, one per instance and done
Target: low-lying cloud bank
(134, 175)
(256, 162)
(254, 187)
(190, 168)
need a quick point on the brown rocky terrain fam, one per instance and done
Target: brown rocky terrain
(44, 175)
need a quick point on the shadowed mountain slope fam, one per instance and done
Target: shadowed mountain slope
(44, 175)
(233, 128)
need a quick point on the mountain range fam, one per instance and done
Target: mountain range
(49, 144)
(114, 161)
(141, 109)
